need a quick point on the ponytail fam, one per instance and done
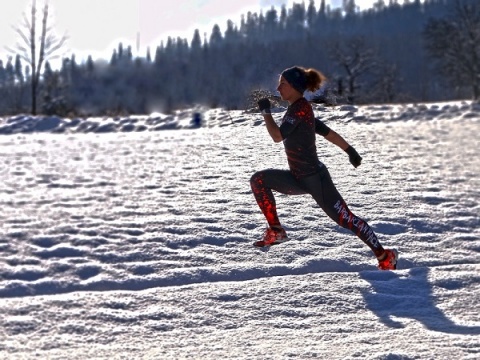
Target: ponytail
(315, 79)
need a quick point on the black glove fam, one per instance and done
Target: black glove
(353, 156)
(264, 106)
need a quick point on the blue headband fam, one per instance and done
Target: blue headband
(296, 77)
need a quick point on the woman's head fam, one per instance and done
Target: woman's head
(300, 80)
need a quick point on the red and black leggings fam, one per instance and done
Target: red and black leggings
(322, 189)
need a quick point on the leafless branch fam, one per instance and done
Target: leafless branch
(37, 47)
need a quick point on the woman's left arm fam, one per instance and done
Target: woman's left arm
(272, 128)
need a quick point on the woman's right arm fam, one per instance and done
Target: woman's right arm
(337, 139)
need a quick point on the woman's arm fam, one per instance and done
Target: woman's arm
(334, 138)
(337, 139)
(272, 128)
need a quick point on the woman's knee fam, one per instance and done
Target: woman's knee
(256, 179)
(339, 212)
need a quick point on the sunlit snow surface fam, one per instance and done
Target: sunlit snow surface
(131, 238)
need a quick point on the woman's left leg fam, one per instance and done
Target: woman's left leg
(263, 182)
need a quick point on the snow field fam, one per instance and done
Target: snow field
(137, 245)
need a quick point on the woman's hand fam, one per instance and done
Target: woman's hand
(272, 128)
(353, 156)
(264, 106)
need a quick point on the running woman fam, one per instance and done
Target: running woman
(307, 175)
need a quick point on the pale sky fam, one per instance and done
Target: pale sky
(95, 27)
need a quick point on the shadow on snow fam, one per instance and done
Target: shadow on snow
(397, 295)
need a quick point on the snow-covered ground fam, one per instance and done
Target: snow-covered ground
(118, 241)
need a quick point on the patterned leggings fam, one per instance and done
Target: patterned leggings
(322, 189)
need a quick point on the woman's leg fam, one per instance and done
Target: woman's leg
(321, 187)
(263, 182)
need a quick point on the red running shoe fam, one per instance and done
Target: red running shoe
(272, 237)
(390, 261)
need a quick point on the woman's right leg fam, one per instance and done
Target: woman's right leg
(321, 187)
(263, 182)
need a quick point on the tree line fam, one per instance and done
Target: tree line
(410, 52)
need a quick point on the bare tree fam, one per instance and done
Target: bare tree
(37, 47)
(454, 42)
(384, 87)
(357, 59)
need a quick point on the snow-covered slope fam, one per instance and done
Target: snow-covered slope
(133, 243)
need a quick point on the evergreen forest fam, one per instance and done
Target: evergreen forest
(374, 56)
